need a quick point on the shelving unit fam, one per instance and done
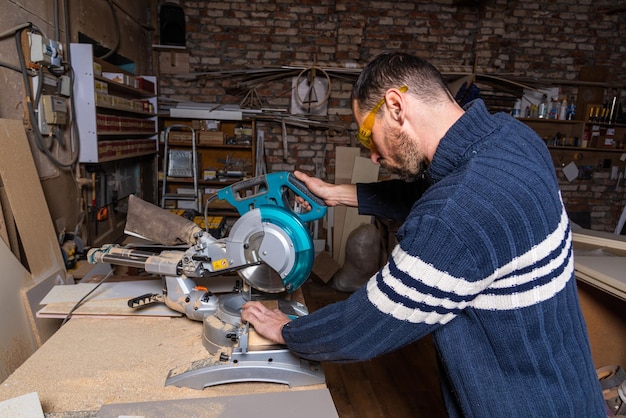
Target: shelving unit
(579, 134)
(118, 131)
(226, 154)
(115, 120)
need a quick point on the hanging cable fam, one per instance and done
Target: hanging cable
(30, 103)
(116, 25)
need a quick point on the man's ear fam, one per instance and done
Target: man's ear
(396, 104)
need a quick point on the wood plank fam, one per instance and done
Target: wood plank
(4, 235)
(364, 171)
(599, 239)
(604, 316)
(25, 406)
(42, 328)
(17, 342)
(90, 362)
(28, 203)
(9, 220)
(605, 272)
(115, 290)
(344, 166)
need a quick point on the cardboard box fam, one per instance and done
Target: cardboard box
(211, 138)
(324, 268)
(102, 86)
(116, 77)
(202, 137)
(145, 85)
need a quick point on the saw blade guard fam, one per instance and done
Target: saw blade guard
(280, 241)
(304, 251)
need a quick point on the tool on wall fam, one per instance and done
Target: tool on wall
(270, 248)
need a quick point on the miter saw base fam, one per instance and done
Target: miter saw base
(271, 366)
(231, 361)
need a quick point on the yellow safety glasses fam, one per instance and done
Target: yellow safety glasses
(364, 135)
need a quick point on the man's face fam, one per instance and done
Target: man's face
(391, 148)
(402, 155)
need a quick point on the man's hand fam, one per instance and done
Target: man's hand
(332, 194)
(267, 322)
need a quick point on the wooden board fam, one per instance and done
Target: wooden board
(604, 316)
(605, 272)
(42, 328)
(17, 342)
(28, 204)
(91, 362)
(364, 171)
(25, 406)
(344, 166)
(109, 299)
(11, 230)
(599, 239)
(4, 235)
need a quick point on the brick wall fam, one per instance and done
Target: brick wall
(545, 40)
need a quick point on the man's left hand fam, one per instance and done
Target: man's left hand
(267, 322)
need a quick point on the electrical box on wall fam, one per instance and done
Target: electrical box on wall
(45, 51)
(52, 111)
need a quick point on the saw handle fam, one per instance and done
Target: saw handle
(268, 189)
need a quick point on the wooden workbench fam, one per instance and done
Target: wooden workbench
(91, 362)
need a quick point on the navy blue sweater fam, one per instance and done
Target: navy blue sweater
(483, 262)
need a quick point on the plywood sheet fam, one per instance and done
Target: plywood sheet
(344, 163)
(599, 239)
(17, 342)
(25, 406)
(109, 299)
(28, 204)
(604, 316)
(42, 328)
(605, 272)
(364, 171)
(91, 362)
(4, 235)
(344, 166)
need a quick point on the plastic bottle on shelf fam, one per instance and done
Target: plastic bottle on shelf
(543, 107)
(517, 109)
(563, 109)
(571, 109)
(554, 109)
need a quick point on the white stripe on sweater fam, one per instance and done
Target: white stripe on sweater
(446, 283)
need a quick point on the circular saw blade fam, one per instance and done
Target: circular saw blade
(263, 278)
(276, 247)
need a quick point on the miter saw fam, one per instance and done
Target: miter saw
(270, 248)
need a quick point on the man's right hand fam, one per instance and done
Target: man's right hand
(332, 194)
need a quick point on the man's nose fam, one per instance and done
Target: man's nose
(374, 156)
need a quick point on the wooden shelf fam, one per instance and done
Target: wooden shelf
(123, 88)
(125, 134)
(124, 110)
(572, 148)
